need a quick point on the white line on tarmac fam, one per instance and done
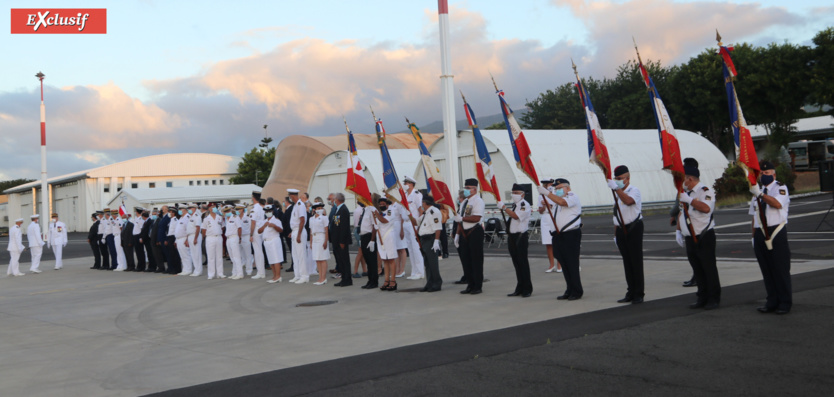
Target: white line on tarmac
(789, 217)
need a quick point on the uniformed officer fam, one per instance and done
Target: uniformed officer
(546, 208)
(431, 221)
(57, 239)
(33, 234)
(194, 239)
(415, 202)
(212, 230)
(233, 234)
(367, 243)
(567, 235)
(138, 245)
(181, 242)
(695, 231)
(298, 220)
(93, 238)
(628, 232)
(471, 237)
(15, 248)
(518, 241)
(769, 208)
(106, 237)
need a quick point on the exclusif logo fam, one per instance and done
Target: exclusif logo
(58, 21)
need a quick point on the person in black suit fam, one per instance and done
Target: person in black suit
(102, 244)
(93, 239)
(138, 243)
(145, 240)
(339, 231)
(286, 234)
(463, 280)
(127, 245)
(161, 239)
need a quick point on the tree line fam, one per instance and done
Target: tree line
(774, 83)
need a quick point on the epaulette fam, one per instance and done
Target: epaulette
(705, 188)
(780, 183)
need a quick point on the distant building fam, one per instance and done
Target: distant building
(149, 198)
(75, 196)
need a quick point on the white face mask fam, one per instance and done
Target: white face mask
(517, 197)
(54, 220)
(320, 212)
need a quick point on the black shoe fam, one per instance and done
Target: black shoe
(342, 284)
(445, 256)
(433, 289)
(637, 301)
(627, 299)
(690, 283)
(475, 292)
(573, 298)
(96, 267)
(527, 295)
(765, 309)
(461, 282)
(366, 286)
(290, 270)
(466, 291)
(425, 289)
(697, 305)
(562, 297)
(516, 293)
(369, 286)
(783, 311)
(711, 306)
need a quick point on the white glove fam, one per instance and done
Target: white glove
(753, 242)
(436, 245)
(612, 184)
(500, 205)
(679, 238)
(754, 190)
(543, 191)
(103, 241)
(615, 242)
(458, 218)
(457, 238)
(371, 246)
(685, 198)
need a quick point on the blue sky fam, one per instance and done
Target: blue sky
(173, 76)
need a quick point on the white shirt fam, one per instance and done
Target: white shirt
(565, 215)
(58, 233)
(137, 225)
(546, 221)
(181, 229)
(630, 212)
(522, 209)
(299, 210)
(15, 239)
(258, 216)
(212, 225)
(318, 224)
(104, 227)
(232, 225)
(194, 222)
(270, 233)
(33, 234)
(357, 215)
(472, 206)
(172, 226)
(394, 224)
(774, 216)
(415, 201)
(366, 220)
(430, 222)
(245, 225)
(700, 220)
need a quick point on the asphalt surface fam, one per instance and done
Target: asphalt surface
(658, 348)
(733, 235)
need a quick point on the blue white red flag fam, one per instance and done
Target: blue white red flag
(483, 162)
(597, 151)
(439, 189)
(521, 151)
(389, 175)
(356, 182)
(745, 151)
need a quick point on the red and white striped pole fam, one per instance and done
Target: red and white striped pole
(45, 215)
(447, 84)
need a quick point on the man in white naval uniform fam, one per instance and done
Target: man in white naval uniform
(15, 248)
(57, 240)
(415, 201)
(298, 220)
(194, 239)
(33, 234)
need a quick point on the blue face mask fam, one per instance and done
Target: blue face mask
(467, 192)
(620, 184)
(228, 215)
(767, 180)
(559, 192)
(190, 212)
(153, 217)
(215, 210)
(179, 212)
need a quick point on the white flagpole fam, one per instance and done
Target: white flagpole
(450, 133)
(45, 215)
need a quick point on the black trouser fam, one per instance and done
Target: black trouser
(139, 249)
(444, 242)
(776, 268)
(343, 263)
(370, 259)
(149, 250)
(127, 247)
(630, 245)
(518, 244)
(566, 251)
(472, 256)
(94, 245)
(433, 279)
(702, 259)
(159, 258)
(105, 255)
(111, 247)
(174, 264)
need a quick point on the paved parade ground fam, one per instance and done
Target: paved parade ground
(79, 332)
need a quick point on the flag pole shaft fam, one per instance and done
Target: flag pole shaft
(448, 98)
(44, 185)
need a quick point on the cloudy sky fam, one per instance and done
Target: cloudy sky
(205, 76)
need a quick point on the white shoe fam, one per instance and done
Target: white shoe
(211, 278)
(19, 274)
(320, 282)
(221, 276)
(401, 275)
(294, 279)
(195, 274)
(551, 270)
(35, 271)
(58, 268)
(183, 274)
(235, 277)
(560, 270)
(257, 276)
(416, 277)
(273, 281)
(302, 280)
(118, 270)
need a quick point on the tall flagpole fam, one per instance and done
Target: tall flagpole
(450, 133)
(45, 215)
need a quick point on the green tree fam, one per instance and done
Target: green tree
(497, 126)
(822, 71)
(13, 183)
(255, 167)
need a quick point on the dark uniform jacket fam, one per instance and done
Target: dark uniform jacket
(339, 227)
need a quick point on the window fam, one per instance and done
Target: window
(206, 182)
(134, 185)
(169, 184)
(221, 181)
(152, 185)
(199, 183)
(214, 181)
(119, 188)
(107, 189)
(190, 183)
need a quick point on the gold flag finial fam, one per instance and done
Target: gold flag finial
(461, 95)
(573, 65)
(638, 51)
(372, 112)
(718, 37)
(493, 82)
(406, 121)
(346, 126)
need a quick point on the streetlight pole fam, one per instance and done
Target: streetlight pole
(45, 215)
(256, 177)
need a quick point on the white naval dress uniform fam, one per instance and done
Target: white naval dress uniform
(33, 234)
(245, 244)
(57, 239)
(546, 221)
(415, 256)
(258, 217)
(121, 259)
(399, 210)
(318, 228)
(195, 221)
(233, 244)
(389, 233)
(272, 243)
(15, 248)
(213, 227)
(299, 249)
(181, 234)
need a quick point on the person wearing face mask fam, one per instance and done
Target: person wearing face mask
(628, 232)
(566, 235)
(696, 234)
(122, 239)
(340, 239)
(415, 201)
(15, 248)
(519, 240)
(271, 229)
(547, 208)
(57, 238)
(212, 230)
(161, 240)
(471, 237)
(319, 236)
(245, 245)
(93, 238)
(174, 264)
(182, 242)
(138, 246)
(769, 208)
(233, 234)
(430, 223)
(158, 262)
(256, 243)
(298, 220)
(367, 243)
(108, 254)
(145, 240)
(194, 240)
(389, 223)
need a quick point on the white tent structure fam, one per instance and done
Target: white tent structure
(149, 198)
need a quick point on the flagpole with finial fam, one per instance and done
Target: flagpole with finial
(45, 215)
(447, 84)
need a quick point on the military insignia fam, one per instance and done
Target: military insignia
(388, 213)
(706, 189)
(522, 206)
(468, 211)
(708, 198)
(436, 220)
(782, 192)
(60, 228)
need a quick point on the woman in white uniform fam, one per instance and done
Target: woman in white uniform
(271, 231)
(546, 223)
(319, 236)
(402, 245)
(390, 230)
